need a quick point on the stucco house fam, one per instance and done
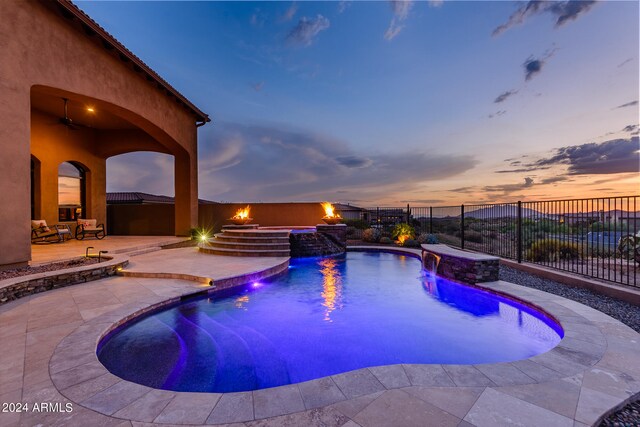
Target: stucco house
(71, 97)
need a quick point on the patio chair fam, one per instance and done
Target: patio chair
(42, 233)
(90, 227)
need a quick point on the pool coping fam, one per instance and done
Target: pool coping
(584, 351)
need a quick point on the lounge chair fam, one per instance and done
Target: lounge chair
(42, 233)
(90, 227)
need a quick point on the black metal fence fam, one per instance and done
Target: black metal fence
(598, 237)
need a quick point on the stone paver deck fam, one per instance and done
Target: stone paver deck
(50, 252)
(48, 355)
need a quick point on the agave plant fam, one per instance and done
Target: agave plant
(629, 247)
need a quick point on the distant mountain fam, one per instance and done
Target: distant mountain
(505, 211)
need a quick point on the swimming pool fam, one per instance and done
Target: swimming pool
(325, 316)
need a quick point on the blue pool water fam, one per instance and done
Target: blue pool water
(326, 316)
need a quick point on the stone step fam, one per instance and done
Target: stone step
(249, 245)
(257, 233)
(144, 251)
(240, 239)
(246, 253)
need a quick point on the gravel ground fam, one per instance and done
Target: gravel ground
(627, 313)
(628, 416)
(25, 271)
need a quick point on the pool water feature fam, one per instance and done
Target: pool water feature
(325, 316)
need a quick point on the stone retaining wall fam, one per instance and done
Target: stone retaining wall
(12, 289)
(461, 266)
(326, 240)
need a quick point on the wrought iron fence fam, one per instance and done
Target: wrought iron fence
(598, 238)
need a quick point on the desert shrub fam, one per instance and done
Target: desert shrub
(553, 250)
(427, 238)
(411, 243)
(473, 236)
(403, 232)
(371, 235)
(493, 235)
(351, 231)
(359, 224)
(385, 240)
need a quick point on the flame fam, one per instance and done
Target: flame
(402, 238)
(329, 210)
(242, 213)
(331, 287)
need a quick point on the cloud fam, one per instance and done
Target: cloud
(529, 169)
(497, 114)
(281, 164)
(609, 157)
(509, 188)
(532, 67)
(625, 62)
(125, 174)
(504, 95)
(343, 5)
(289, 13)
(354, 161)
(305, 32)
(633, 129)
(257, 86)
(401, 9)
(257, 18)
(563, 12)
(628, 104)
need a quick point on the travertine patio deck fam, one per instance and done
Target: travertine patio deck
(48, 355)
(50, 252)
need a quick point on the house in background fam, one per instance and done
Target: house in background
(73, 96)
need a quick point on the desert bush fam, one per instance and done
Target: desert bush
(411, 243)
(473, 236)
(351, 231)
(359, 224)
(385, 240)
(371, 235)
(403, 230)
(553, 250)
(427, 238)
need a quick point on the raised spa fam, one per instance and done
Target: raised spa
(325, 316)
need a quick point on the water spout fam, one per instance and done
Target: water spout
(430, 263)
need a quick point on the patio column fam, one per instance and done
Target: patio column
(186, 189)
(15, 157)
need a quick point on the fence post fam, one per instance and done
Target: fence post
(430, 219)
(462, 226)
(519, 232)
(407, 213)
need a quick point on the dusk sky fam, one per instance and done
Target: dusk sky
(388, 103)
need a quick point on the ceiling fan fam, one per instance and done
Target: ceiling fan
(66, 120)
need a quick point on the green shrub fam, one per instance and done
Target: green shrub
(411, 243)
(553, 250)
(386, 240)
(403, 230)
(371, 235)
(473, 236)
(430, 239)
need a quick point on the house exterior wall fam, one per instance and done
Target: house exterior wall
(42, 52)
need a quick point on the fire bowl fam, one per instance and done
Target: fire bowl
(332, 220)
(240, 221)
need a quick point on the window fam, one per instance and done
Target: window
(71, 192)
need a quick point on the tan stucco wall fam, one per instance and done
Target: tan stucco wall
(143, 219)
(266, 214)
(42, 52)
